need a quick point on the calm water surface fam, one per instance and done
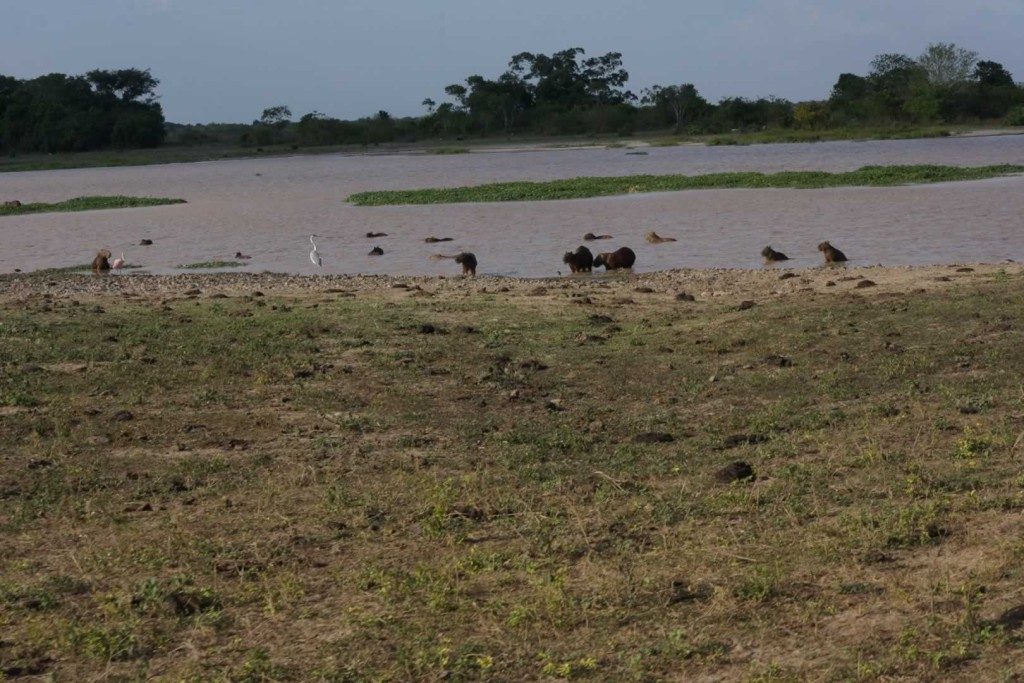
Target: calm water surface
(268, 208)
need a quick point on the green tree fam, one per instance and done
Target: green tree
(128, 85)
(276, 116)
(945, 64)
(992, 74)
(683, 103)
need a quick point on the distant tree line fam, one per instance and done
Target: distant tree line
(61, 113)
(564, 93)
(569, 93)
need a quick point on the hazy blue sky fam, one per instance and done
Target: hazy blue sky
(225, 60)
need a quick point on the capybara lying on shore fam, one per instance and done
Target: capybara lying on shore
(614, 260)
(101, 263)
(435, 240)
(832, 255)
(772, 255)
(468, 263)
(579, 261)
(590, 237)
(655, 238)
(13, 204)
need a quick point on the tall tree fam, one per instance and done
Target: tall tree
(682, 102)
(992, 74)
(945, 64)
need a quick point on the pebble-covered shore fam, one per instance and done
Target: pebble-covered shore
(702, 284)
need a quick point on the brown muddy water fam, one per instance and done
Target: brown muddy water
(267, 208)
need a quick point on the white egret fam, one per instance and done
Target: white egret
(314, 255)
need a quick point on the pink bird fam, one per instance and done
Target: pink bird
(118, 263)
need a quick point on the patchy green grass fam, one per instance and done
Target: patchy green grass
(311, 487)
(581, 188)
(442, 151)
(87, 204)
(826, 135)
(201, 265)
(792, 135)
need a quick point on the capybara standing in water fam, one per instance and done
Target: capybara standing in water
(655, 238)
(832, 255)
(579, 261)
(468, 263)
(101, 264)
(614, 260)
(590, 237)
(771, 255)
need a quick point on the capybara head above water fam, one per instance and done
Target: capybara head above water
(655, 238)
(614, 260)
(102, 261)
(579, 261)
(770, 254)
(832, 255)
(468, 263)
(590, 237)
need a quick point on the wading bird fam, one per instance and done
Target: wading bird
(118, 263)
(314, 255)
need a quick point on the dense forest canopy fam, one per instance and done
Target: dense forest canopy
(60, 113)
(564, 93)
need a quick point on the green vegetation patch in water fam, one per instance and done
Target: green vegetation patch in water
(85, 204)
(582, 188)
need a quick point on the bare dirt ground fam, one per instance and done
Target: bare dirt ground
(691, 475)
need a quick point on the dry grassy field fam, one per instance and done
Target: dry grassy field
(255, 478)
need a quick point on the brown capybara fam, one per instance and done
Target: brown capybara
(832, 255)
(101, 264)
(372, 235)
(655, 238)
(376, 251)
(435, 240)
(468, 263)
(579, 261)
(590, 237)
(614, 260)
(771, 255)
(13, 204)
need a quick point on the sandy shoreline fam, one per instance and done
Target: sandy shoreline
(723, 285)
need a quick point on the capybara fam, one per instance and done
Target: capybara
(614, 260)
(13, 204)
(373, 235)
(242, 257)
(468, 263)
(590, 237)
(101, 263)
(145, 243)
(376, 251)
(832, 255)
(655, 238)
(579, 261)
(772, 255)
(435, 240)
